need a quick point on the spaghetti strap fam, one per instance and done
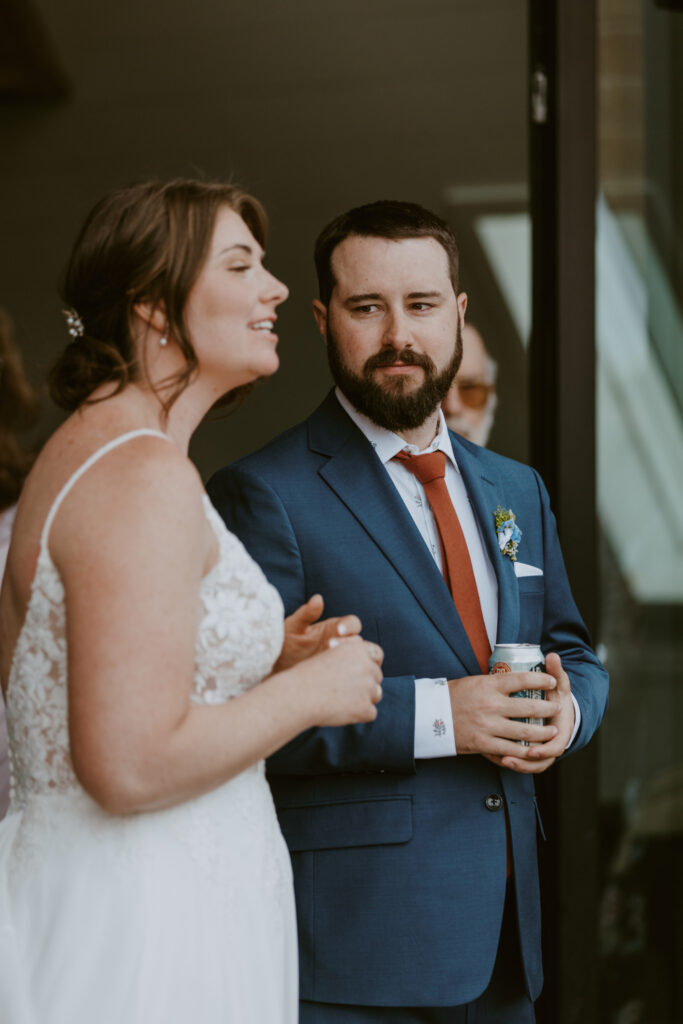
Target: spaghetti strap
(90, 461)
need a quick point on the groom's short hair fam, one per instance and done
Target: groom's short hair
(386, 218)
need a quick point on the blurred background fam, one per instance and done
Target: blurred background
(313, 106)
(548, 133)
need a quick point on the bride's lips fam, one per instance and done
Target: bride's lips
(265, 325)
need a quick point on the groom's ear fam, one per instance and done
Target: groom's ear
(320, 314)
(461, 300)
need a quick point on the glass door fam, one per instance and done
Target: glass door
(639, 336)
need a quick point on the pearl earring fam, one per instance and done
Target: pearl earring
(163, 341)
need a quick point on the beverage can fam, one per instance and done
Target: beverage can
(519, 658)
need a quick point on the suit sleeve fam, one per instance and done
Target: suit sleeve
(255, 512)
(565, 633)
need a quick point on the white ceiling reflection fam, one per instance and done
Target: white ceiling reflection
(639, 425)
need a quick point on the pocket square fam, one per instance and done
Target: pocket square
(523, 569)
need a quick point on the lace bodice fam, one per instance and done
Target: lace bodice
(238, 640)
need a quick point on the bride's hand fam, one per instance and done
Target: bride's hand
(305, 635)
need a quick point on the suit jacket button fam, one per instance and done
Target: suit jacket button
(494, 802)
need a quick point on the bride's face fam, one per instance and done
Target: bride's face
(230, 313)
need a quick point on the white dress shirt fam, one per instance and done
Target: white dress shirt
(434, 735)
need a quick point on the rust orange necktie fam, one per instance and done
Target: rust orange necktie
(430, 470)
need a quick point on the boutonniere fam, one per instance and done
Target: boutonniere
(509, 534)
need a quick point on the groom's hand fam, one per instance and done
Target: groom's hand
(541, 755)
(305, 635)
(485, 713)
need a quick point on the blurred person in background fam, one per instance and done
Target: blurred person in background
(470, 405)
(18, 408)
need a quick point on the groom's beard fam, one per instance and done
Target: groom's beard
(390, 404)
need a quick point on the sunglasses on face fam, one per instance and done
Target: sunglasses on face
(473, 393)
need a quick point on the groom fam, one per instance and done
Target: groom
(413, 838)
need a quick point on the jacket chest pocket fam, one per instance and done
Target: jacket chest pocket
(531, 591)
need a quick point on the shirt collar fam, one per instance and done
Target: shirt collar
(387, 444)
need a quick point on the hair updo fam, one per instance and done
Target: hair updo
(141, 243)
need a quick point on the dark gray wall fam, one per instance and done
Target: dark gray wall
(315, 106)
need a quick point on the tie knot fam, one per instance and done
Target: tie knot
(426, 468)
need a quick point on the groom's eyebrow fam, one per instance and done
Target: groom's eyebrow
(374, 296)
(363, 298)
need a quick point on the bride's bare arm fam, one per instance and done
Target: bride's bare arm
(132, 543)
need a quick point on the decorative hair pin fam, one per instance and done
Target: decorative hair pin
(74, 323)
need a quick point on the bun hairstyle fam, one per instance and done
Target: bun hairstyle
(142, 243)
(18, 412)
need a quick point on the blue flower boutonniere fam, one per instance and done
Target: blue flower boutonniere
(509, 534)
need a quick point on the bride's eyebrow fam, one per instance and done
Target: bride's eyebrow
(248, 250)
(238, 245)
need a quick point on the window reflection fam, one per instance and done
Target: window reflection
(640, 494)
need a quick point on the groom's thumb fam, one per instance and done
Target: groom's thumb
(553, 666)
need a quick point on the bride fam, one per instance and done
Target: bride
(143, 877)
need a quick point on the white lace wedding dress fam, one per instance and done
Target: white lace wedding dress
(180, 916)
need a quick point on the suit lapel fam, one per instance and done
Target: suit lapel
(360, 481)
(485, 495)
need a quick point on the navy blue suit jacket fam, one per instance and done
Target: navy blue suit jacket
(399, 864)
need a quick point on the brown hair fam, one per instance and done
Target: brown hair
(18, 410)
(386, 218)
(142, 243)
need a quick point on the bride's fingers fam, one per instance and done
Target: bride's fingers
(312, 610)
(375, 652)
(372, 649)
(305, 615)
(347, 626)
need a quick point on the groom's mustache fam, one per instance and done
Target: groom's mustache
(389, 356)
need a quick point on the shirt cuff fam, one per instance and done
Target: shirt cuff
(577, 721)
(434, 733)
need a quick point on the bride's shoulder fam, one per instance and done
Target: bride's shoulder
(134, 482)
(137, 459)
